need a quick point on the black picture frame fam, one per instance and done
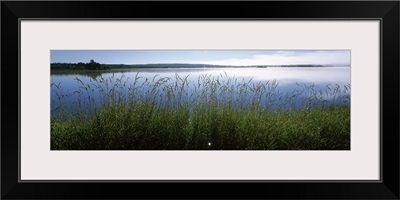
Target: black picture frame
(386, 11)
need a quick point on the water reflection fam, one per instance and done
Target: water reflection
(75, 89)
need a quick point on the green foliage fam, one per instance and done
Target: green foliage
(135, 120)
(217, 129)
(92, 65)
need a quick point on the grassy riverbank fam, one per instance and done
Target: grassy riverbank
(212, 128)
(218, 115)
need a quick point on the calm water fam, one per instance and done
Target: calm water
(71, 89)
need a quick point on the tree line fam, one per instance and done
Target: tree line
(92, 65)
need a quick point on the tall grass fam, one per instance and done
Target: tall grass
(212, 112)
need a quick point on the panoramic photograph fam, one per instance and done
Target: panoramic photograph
(200, 99)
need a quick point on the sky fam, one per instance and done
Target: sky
(213, 57)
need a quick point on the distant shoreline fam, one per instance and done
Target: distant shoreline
(73, 66)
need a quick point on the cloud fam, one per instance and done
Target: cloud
(289, 58)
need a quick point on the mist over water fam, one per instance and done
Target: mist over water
(68, 87)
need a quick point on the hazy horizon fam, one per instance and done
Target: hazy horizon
(204, 64)
(205, 57)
